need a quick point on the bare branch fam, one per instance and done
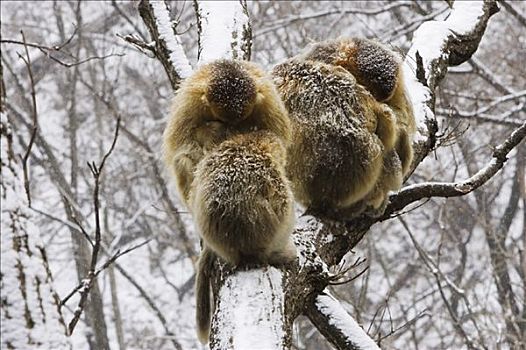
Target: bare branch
(48, 50)
(27, 61)
(104, 266)
(87, 282)
(420, 191)
(281, 23)
(433, 267)
(509, 7)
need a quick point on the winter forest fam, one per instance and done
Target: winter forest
(99, 252)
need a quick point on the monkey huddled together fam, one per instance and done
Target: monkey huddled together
(352, 125)
(226, 144)
(330, 128)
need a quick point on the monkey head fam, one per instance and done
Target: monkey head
(231, 92)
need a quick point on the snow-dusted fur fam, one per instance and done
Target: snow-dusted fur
(352, 125)
(226, 145)
(378, 68)
(242, 202)
(202, 117)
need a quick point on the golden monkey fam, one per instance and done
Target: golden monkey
(219, 100)
(379, 70)
(244, 208)
(225, 143)
(339, 182)
(336, 155)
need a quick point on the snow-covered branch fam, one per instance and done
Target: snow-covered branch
(331, 319)
(437, 45)
(168, 47)
(250, 310)
(224, 30)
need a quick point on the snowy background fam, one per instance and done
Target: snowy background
(437, 267)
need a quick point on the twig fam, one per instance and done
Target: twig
(34, 130)
(281, 23)
(420, 191)
(47, 50)
(438, 274)
(87, 282)
(147, 49)
(104, 266)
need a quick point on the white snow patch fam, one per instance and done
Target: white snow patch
(429, 40)
(250, 312)
(307, 232)
(464, 16)
(222, 24)
(340, 319)
(419, 95)
(173, 44)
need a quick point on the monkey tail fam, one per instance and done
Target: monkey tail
(203, 300)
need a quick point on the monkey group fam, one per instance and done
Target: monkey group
(330, 128)
(352, 126)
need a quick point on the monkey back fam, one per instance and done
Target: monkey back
(242, 204)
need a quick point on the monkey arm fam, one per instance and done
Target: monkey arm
(183, 166)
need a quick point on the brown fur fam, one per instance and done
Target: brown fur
(197, 125)
(335, 158)
(242, 202)
(330, 175)
(225, 145)
(379, 69)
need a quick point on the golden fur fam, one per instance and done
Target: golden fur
(347, 163)
(225, 145)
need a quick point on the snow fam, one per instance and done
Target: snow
(173, 44)
(27, 291)
(464, 16)
(340, 319)
(250, 311)
(305, 236)
(419, 95)
(429, 40)
(222, 25)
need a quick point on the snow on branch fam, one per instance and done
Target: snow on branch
(168, 47)
(250, 310)
(337, 326)
(437, 45)
(224, 30)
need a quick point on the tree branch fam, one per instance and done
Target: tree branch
(34, 115)
(87, 282)
(437, 45)
(224, 30)
(336, 325)
(168, 48)
(417, 192)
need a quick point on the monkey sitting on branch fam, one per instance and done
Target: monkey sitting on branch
(352, 126)
(225, 143)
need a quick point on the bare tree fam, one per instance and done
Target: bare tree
(430, 273)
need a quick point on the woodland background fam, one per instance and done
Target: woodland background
(446, 274)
